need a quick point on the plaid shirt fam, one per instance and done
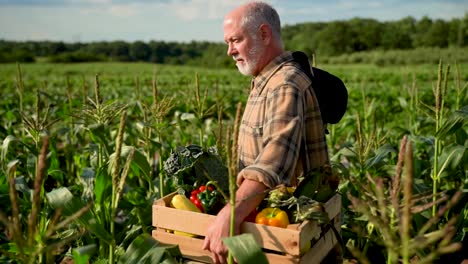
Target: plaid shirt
(281, 128)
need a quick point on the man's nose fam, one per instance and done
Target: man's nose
(230, 50)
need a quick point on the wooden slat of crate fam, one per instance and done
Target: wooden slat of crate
(287, 240)
(284, 240)
(323, 246)
(191, 248)
(311, 229)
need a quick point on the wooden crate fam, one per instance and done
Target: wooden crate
(282, 245)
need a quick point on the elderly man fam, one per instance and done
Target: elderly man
(281, 134)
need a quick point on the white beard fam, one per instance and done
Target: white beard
(247, 67)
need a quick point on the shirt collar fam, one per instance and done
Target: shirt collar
(259, 81)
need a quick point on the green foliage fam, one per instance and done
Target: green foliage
(82, 173)
(145, 249)
(245, 249)
(400, 57)
(73, 57)
(16, 56)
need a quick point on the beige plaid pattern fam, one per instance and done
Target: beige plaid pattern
(280, 116)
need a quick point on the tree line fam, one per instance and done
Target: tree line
(333, 38)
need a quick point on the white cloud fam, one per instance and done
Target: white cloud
(186, 20)
(123, 10)
(186, 12)
(203, 9)
(87, 11)
(87, 2)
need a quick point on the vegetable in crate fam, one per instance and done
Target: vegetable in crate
(179, 201)
(195, 200)
(206, 198)
(299, 208)
(278, 196)
(319, 184)
(272, 217)
(251, 216)
(193, 166)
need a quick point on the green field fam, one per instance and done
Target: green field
(423, 106)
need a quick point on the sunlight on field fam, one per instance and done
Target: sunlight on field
(78, 107)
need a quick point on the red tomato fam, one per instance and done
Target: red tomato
(251, 216)
(198, 204)
(202, 188)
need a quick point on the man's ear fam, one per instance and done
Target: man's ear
(265, 33)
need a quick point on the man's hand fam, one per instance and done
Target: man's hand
(215, 233)
(248, 197)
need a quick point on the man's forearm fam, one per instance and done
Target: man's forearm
(248, 197)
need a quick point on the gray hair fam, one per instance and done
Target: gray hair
(262, 13)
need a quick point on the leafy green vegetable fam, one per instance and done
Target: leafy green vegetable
(193, 166)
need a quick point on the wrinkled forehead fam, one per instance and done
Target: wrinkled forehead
(233, 19)
(232, 26)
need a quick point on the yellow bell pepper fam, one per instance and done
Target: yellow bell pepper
(272, 217)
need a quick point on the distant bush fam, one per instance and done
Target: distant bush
(73, 57)
(16, 56)
(400, 57)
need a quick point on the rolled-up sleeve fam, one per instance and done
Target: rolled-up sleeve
(282, 128)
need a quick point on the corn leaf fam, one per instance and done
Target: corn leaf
(6, 145)
(138, 159)
(63, 198)
(381, 154)
(81, 255)
(146, 249)
(451, 157)
(454, 122)
(245, 249)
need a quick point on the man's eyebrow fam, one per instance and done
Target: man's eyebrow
(232, 38)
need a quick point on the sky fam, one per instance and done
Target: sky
(187, 20)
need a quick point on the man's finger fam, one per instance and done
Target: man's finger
(219, 258)
(224, 259)
(206, 244)
(214, 256)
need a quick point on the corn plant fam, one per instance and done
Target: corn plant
(390, 207)
(439, 94)
(201, 109)
(233, 165)
(82, 154)
(36, 235)
(374, 155)
(158, 112)
(20, 87)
